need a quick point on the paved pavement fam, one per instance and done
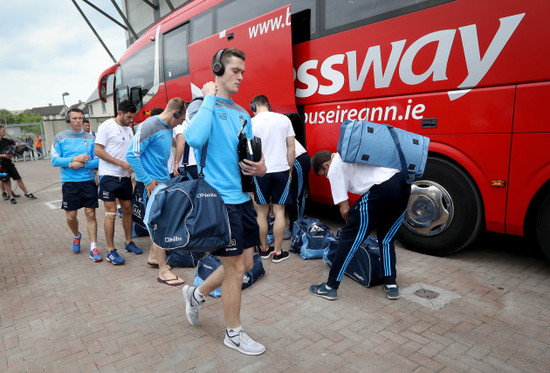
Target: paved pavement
(60, 312)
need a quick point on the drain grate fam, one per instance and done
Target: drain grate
(428, 295)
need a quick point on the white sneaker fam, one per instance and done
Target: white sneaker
(244, 344)
(192, 305)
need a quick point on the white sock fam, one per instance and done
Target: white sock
(92, 246)
(328, 287)
(199, 295)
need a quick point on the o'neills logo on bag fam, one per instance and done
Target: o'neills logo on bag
(206, 195)
(172, 239)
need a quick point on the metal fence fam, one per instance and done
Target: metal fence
(31, 134)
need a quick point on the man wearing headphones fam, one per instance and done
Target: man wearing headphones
(111, 144)
(215, 122)
(273, 188)
(148, 156)
(73, 152)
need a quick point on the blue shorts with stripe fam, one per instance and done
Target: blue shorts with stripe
(272, 188)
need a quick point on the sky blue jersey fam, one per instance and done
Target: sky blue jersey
(65, 146)
(149, 151)
(219, 121)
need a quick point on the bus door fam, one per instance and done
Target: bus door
(267, 43)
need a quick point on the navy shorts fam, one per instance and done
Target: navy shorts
(79, 194)
(245, 232)
(272, 188)
(113, 187)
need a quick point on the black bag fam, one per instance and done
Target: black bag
(366, 266)
(139, 202)
(182, 258)
(189, 215)
(210, 263)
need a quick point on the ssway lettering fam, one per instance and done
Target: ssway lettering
(401, 61)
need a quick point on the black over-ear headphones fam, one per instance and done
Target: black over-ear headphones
(67, 117)
(179, 113)
(218, 68)
(253, 105)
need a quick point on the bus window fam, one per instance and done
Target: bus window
(232, 13)
(176, 59)
(338, 14)
(136, 71)
(201, 27)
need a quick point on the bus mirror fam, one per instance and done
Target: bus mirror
(135, 95)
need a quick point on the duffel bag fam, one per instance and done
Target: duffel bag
(383, 145)
(365, 266)
(208, 264)
(310, 237)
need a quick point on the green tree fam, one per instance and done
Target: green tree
(6, 117)
(27, 116)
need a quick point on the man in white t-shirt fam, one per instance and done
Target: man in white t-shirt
(113, 138)
(384, 197)
(188, 169)
(277, 136)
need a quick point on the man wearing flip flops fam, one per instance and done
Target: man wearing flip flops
(148, 156)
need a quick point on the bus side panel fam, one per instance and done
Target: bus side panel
(443, 48)
(530, 165)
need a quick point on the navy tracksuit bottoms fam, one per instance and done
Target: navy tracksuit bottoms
(382, 208)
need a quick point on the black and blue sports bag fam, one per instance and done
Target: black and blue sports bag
(188, 215)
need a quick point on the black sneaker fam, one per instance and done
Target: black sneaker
(16, 195)
(5, 196)
(283, 255)
(30, 196)
(13, 201)
(267, 253)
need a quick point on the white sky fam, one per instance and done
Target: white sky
(47, 48)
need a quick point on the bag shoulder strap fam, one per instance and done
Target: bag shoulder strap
(404, 170)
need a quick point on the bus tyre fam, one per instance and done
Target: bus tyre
(543, 227)
(444, 213)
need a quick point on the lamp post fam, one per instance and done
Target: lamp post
(63, 96)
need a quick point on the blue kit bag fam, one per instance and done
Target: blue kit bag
(189, 215)
(366, 266)
(310, 237)
(208, 264)
(383, 145)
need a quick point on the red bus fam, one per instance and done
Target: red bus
(473, 76)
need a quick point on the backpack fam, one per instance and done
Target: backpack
(365, 266)
(383, 145)
(310, 237)
(210, 263)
